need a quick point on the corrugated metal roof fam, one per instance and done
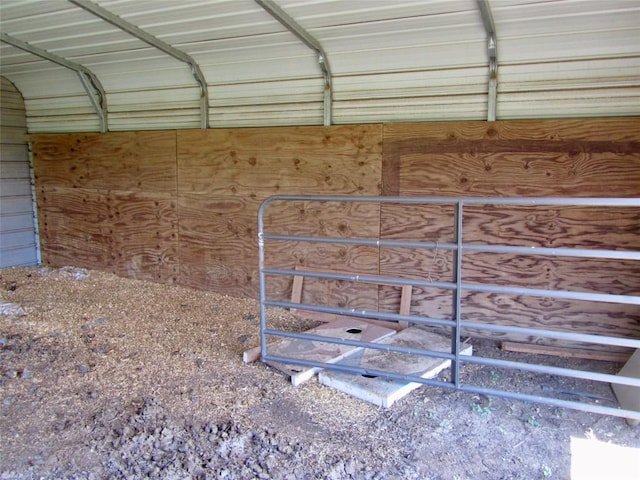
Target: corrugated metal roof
(390, 61)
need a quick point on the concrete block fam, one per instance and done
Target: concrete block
(344, 328)
(384, 391)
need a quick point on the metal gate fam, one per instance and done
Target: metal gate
(457, 322)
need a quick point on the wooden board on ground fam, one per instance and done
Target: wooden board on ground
(566, 352)
(385, 391)
(325, 352)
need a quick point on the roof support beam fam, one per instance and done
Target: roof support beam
(89, 81)
(492, 48)
(290, 24)
(146, 37)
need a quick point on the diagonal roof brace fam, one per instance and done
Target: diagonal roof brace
(89, 81)
(290, 24)
(161, 45)
(492, 48)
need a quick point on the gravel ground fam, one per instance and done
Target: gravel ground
(105, 377)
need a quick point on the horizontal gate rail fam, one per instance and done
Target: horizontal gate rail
(457, 324)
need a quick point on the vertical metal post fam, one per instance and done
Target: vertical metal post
(34, 205)
(492, 51)
(457, 297)
(261, 282)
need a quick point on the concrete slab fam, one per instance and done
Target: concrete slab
(344, 328)
(384, 391)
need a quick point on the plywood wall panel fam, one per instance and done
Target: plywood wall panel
(519, 172)
(266, 161)
(551, 313)
(418, 222)
(555, 158)
(218, 243)
(560, 273)
(224, 174)
(145, 235)
(73, 227)
(207, 270)
(553, 226)
(586, 129)
(108, 201)
(181, 207)
(130, 161)
(331, 219)
(128, 233)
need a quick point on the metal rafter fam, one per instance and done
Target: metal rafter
(146, 37)
(290, 24)
(492, 48)
(88, 79)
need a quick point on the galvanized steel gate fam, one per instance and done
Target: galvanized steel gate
(457, 323)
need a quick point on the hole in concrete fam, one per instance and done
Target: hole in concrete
(369, 376)
(296, 370)
(354, 330)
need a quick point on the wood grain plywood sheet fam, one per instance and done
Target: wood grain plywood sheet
(384, 392)
(418, 222)
(74, 229)
(580, 129)
(553, 226)
(579, 316)
(326, 219)
(324, 352)
(323, 257)
(426, 301)
(218, 243)
(144, 235)
(519, 173)
(130, 161)
(558, 158)
(596, 275)
(599, 157)
(224, 174)
(131, 234)
(266, 161)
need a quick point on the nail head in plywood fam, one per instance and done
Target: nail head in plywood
(383, 391)
(324, 351)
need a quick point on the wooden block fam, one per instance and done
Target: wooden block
(383, 391)
(252, 355)
(348, 329)
(405, 303)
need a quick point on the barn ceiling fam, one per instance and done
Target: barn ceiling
(152, 64)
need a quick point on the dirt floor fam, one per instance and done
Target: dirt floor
(104, 377)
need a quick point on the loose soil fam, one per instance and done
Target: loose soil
(106, 377)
